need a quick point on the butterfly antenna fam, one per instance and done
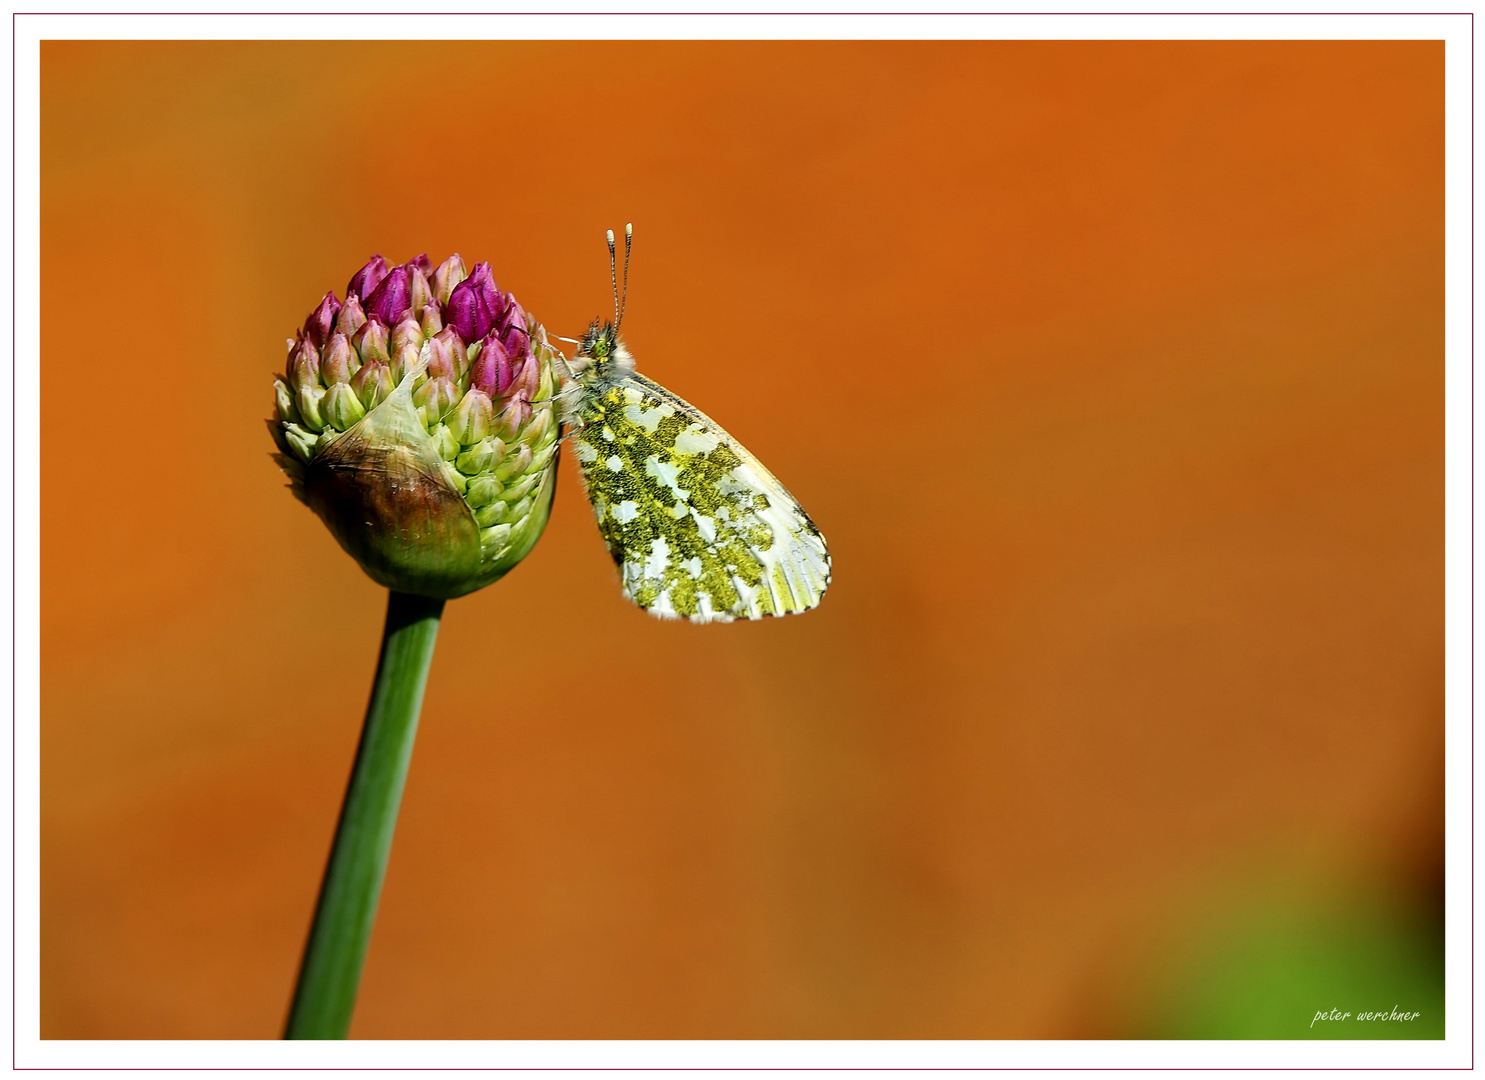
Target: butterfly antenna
(613, 273)
(628, 243)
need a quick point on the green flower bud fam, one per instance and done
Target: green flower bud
(308, 401)
(373, 383)
(371, 343)
(284, 399)
(342, 407)
(471, 420)
(436, 398)
(404, 360)
(436, 477)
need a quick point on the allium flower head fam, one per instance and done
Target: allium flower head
(416, 420)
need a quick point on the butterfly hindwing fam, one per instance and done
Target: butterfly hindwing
(698, 527)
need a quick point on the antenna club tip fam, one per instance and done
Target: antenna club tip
(610, 236)
(629, 229)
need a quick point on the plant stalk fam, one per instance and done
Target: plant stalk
(330, 973)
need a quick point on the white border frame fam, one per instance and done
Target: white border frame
(1456, 30)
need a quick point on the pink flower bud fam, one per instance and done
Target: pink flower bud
(351, 317)
(524, 379)
(420, 292)
(339, 361)
(431, 320)
(458, 352)
(448, 275)
(441, 364)
(512, 315)
(304, 366)
(490, 372)
(512, 418)
(322, 320)
(406, 332)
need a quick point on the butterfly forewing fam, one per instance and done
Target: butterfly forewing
(698, 527)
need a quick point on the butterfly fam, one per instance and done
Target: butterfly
(698, 527)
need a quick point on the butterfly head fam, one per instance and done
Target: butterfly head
(601, 356)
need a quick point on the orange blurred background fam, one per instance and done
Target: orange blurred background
(1113, 373)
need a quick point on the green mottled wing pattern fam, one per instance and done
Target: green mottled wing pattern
(698, 527)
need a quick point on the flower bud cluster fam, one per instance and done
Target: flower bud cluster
(440, 373)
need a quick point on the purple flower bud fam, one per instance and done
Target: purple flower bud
(490, 372)
(304, 366)
(516, 342)
(391, 299)
(371, 342)
(449, 274)
(351, 317)
(431, 320)
(423, 263)
(339, 362)
(475, 304)
(322, 320)
(367, 278)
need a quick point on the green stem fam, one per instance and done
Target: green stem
(331, 971)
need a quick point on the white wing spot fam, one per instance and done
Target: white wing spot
(616, 463)
(692, 566)
(649, 419)
(626, 511)
(665, 472)
(696, 440)
(586, 453)
(659, 557)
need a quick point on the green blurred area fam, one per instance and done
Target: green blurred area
(1265, 970)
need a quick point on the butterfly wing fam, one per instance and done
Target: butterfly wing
(698, 527)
